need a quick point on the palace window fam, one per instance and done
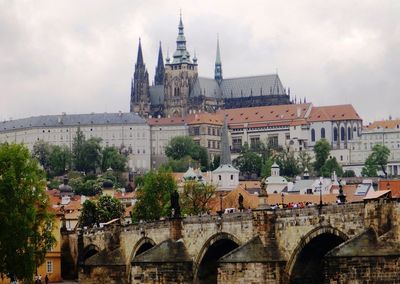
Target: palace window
(322, 133)
(196, 130)
(254, 142)
(313, 135)
(335, 134)
(236, 143)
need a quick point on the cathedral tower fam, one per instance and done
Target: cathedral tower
(180, 76)
(159, 76)
(140, 99)
(218, 65)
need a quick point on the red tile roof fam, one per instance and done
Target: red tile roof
(385, 124)
(392, 185)
(335, 112)
(268, 115)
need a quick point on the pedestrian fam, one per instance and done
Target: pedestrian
(46, 279)
(40, 279)
(36, 279)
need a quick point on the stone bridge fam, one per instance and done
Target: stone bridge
(263, 246)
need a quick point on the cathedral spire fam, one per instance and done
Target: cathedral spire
(225, 150)
(139, 61)
(218, 64)
(181, 55)
(159, 76)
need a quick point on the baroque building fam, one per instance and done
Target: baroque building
(178, 89)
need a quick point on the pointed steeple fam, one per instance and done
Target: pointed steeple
(140, 102)
(181, 55)
(159, 75)
(218, 64)
(225, 150)
(139, 61)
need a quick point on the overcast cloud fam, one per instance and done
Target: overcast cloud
(78, 56)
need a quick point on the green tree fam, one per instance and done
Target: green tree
(378, 159)
(41, 151)
(349, 173)
(321, 150)
(59, 159)
(196, 196)
(92, 154)
(266, 168)
(182, 146)
(248, 163)
(304, 161)
(330, 166)
(215, 163)
(288, 164)
(109, 208)
(111, 158)
(78, 157)
(153, 198)
(88, 215)
(105, 209)
(25, 221)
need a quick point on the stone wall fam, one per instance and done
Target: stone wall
(254, 273)
(162, 273)
(109, 275)
(385, 269)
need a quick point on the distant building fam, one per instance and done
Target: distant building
(178, 90)
(120, 130)
(385, 132)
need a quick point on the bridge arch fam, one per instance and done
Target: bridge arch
(304, 265)
(89, 251)
(218, 245)
(142, 245)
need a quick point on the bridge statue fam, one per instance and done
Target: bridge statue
(175, 207)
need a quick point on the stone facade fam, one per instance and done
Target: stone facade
(376, 269)
(260, 247)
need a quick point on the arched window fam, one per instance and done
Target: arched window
(322, 133)
(335, 134)
(349, 133)
(312, 135)
(342, 133)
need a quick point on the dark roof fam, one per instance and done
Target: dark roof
(368, 244)
(156, 94)
(252, 86)
(238, 87)
(206, 87)
(168, 251)
(71, 120)
(254, 251)
(107, 258)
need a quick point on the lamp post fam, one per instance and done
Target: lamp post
(283, 199)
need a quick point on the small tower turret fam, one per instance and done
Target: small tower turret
(159, 76)
(218, 65)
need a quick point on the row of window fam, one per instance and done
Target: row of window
(343, 134)
(215, 131)
(212, 144)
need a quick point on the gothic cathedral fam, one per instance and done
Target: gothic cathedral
(178, 90)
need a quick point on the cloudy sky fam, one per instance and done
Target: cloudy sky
(78, 56)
